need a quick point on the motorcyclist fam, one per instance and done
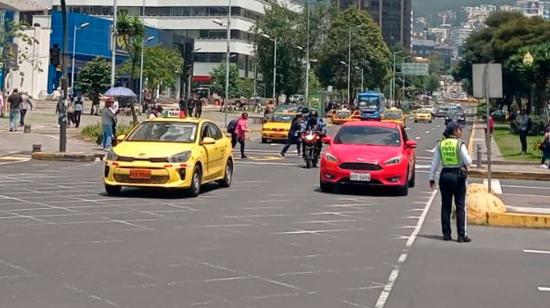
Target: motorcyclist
(315, 123)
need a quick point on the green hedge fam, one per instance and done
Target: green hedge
(94, 132)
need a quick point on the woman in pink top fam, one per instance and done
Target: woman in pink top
(241, 130)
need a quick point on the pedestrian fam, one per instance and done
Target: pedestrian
(294, 134)
(523, 123)
(115, 110)
(190, 106)
(26, 106)
(545, 147)
(70, 111)
(107, 122)
(242, 130)
(15, 101)
(183, 107)
(231, 129)
(1, 104)
(198, 107)
(78, 108)
(268, 112)
(452, 154)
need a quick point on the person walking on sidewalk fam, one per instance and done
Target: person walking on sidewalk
(190, 106)
(26, 106)
(78, 108)
(523, 126)
(452, 154)
(15, 101)
(108, 122)
(242, 130)
(545, 147)
(198, 107)
(1, 104)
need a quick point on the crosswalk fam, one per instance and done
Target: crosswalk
(13, 159)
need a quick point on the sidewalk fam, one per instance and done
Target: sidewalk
(504, 169)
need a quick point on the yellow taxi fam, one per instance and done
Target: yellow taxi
(394, 115)
(170, 153)
(423, 115)
(344, 115)
(276, 129)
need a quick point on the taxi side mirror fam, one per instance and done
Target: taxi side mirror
(326, 140)
(410, 144)
(120, 138)
(208, 140)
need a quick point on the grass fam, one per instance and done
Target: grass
(510, 147)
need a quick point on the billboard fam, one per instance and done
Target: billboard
(415, 69)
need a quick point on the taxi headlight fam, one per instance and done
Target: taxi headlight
(331, 158)
(393, 161)
(180, 157)
(111, 155)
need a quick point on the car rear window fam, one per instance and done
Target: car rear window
(368, 135)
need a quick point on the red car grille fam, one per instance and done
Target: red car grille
(360, 166)
(155, 179)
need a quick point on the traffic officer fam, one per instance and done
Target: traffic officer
(451, 152)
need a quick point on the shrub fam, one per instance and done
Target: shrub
(94, 132)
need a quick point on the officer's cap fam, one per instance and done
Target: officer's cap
(449, 130)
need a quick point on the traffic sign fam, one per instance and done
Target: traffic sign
(415, 69)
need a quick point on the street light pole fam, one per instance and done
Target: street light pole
(393, 80)
(349, 65)
(113, 44)
(306, 94)
(82, 26)
(274, 70)
(227, 58)
(141, 70)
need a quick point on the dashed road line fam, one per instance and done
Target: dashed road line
(542, 252)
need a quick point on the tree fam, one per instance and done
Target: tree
(13, 56)
(431, 83)
(284, 25)
(534, 71)
(94, 79)
(160, 65)
(130, 31)
(505, 34)
(218, 83)
(368, 50)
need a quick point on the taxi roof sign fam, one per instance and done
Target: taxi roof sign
(173, 114)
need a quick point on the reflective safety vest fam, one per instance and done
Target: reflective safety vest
(449, 150)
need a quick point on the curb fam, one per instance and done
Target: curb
(75, 157)
(514, 220)
(510, 175)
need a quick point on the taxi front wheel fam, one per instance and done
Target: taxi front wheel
(113, 190)
(195, 188)
(226, 181)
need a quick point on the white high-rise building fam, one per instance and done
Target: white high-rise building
(197, 19)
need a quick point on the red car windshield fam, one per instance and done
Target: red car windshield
(368, 135)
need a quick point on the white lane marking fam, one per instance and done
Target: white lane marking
(544, 289)
(495, 186)
(417, 138)
(527, 187)
(528, 210)
(381, 302)
(423, 166)
(542, 252)
(431, 151)
(427, 132)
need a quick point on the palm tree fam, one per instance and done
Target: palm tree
(130, 30)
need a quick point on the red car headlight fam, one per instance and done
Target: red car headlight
(331, 158)
(393, 161)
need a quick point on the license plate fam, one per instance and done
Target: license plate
(140, 174)
(360, 177)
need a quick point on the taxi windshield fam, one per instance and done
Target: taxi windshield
(282, 118)
(368, 135)
(164, 132)
(343, 113)
(393, 115)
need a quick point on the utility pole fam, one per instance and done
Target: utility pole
(307, 57)
(113, 44)
(61, 104)
(349, 65)
(227, 56)
(275, 70)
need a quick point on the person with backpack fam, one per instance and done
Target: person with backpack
(231, 126)
(524, 126)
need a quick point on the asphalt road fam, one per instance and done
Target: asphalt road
(271, 240)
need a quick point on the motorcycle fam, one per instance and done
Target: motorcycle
(312, 146)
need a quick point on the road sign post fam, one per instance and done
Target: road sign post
(487, 82)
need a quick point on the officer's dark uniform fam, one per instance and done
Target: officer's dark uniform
(453, 156)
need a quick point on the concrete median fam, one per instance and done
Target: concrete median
(486, 209)
(74, 157)
(518, 174)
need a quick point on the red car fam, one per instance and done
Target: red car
(369, 153)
